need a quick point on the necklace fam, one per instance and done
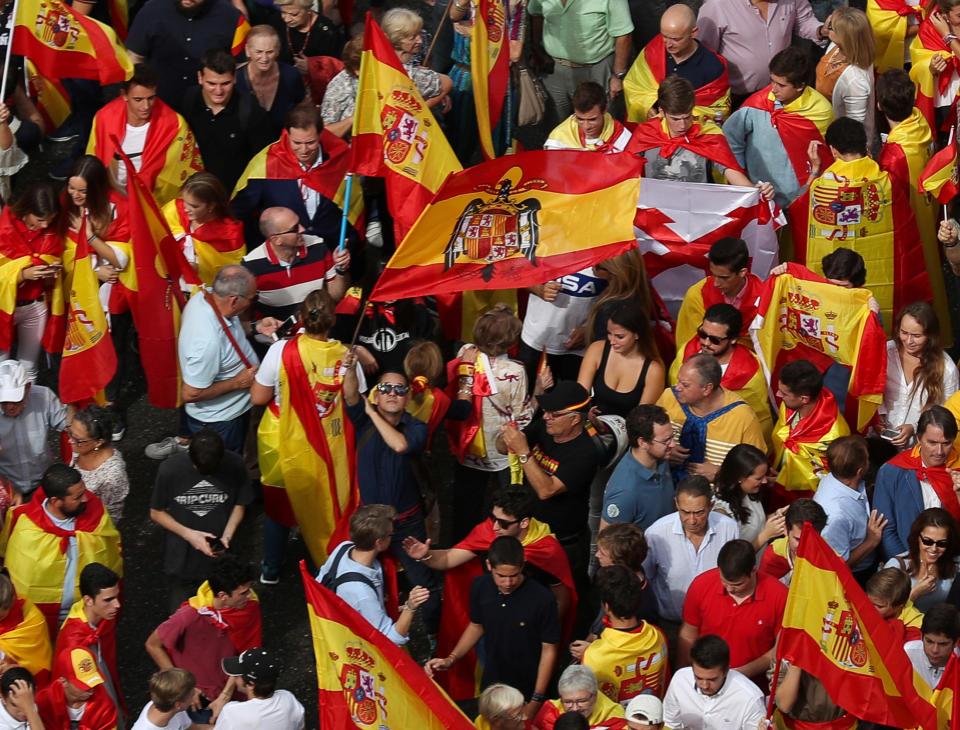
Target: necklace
(306, 37)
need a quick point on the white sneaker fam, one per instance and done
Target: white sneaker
(162, 449)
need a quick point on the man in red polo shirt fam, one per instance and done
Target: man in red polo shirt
(735, 603)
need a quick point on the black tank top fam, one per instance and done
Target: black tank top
(613, 402)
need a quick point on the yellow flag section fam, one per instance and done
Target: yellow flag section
(490, 67)
(946, 697)
(50, 96)
(517, 221)
(831, 630)
(365, 681)
(889, 19)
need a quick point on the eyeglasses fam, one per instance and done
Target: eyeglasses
(557, 414)
(714, 340)
(579, 702)
(664, 442)
(928, 542)
(77, 441)
(294, 229)
(504, 524)
(393, 388)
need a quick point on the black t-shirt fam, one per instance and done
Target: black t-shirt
(514, 627)
(574, 463)
(200, 502)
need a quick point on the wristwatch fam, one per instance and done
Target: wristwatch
(621, 75)
(523, 458)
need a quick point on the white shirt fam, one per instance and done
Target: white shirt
(269, 373)
(930, 498)
(853, 97)
(134, 140)
(918, 657)
(280, 711)
(672, 562)
(737, 706)
(180, 721)
(9, 722)
(900, 403)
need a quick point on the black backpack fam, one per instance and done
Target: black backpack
(331, 581)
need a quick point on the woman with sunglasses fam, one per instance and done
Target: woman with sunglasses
(102, 467)
(931, 559)
(742, 477)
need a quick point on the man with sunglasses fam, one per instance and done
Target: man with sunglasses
(718, 335)
(386, 439)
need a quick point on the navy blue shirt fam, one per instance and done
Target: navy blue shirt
(383, 475)
(700, 69)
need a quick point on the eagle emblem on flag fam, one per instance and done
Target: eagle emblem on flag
(55, 27)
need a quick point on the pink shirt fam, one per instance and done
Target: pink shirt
(736, 30)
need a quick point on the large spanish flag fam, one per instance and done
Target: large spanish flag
(517, 221)
(801, 315)
(831, 630)
(65, 44)
(363, 678)
(395, 135)
(490, 68)
(889, 19)
(940, 177)
(159, 301)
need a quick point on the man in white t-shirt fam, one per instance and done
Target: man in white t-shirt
(172, 691)
(18, 710)
(266, 706)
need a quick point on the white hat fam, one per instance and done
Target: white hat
(13, 381)
(648, 707)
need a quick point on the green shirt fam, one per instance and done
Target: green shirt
(582, 31)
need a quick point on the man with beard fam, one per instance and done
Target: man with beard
(174, 34)
(47, 542)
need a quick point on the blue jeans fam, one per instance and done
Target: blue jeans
(234, 431)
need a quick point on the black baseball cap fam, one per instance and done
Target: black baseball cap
(567, 395)
(256, 663)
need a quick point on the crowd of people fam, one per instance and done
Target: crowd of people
(623, 488)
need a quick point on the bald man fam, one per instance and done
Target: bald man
(677, 51)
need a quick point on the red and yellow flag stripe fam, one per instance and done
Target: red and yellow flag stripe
(490, 68)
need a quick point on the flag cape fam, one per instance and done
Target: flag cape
(704, 294)
(490, 68)
(308, 448)
(925, 45)
(831, 630)
(119, 17)
(946, 696)
(244, 625)
(99, 712)
(76, 632)
(938, 477)
(25, 640)
(568, 135)
(799, 454)
(905, 156)
(643, 80)
(35, 551)
(20, 248)
(89, 360)
(888, 18)
(432, 409)
(802, 316)
(540, 548)
(630, 663)
(158, 303)
(517, 221)
(363, 678)
(676, 223)
(395, 135)
(855, 204)
(606, 715)
(65, 44)
(170, 153)
(940, 177)
(803, 120)
(705, 139)
(217, 243)
(50, 96)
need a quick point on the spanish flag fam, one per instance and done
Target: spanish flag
(89, 360)
(802, 316)
(642, 82)
(395, 135)
(889, 18)
(705, 139)
(217, 243)
(50, 96)
(25, 641)
(517, 221)
(65, 44)
(119, 17)
(940, 177)
(365, 679)
(831, 630)
(946, 696)
(490, 68)
(158, 303)
(925, 45)
(240, 36)
(244, 625)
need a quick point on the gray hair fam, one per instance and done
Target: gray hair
(577, 677)
(233, 281)
(707, 368)
(400, 23)
(499, 699)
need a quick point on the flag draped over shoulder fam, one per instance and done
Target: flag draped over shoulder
(928, 43)
(517, 221)
(831, 630)
(364, 679)
(395, 135)
(158, 301)
(940, 177)
(65, 44)
(490, 68)
(889, 19)
(802, 316)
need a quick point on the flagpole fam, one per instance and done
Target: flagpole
(773, 684)
(346, 212)
(953, 129)
(6, 60)
(436, 33)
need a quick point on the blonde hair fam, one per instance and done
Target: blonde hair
(424, 360)
(497, 700)
(854, 36)
(263, 31)
(400, 23)
(170, 686)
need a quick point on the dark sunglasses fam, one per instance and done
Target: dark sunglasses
(504, 524)
(928, 542)
(714, 340)
(393, 388)
(294, 229)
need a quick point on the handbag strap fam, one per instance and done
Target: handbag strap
(226, 329)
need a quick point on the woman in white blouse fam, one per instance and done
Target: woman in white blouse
(845, 73)
(919, 373)
(737, 488)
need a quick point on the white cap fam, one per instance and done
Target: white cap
(13, 381)
(647, 707)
